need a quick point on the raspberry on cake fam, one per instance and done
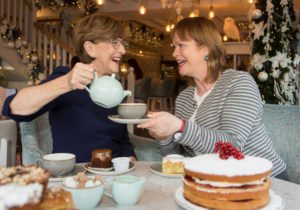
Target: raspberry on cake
(228, 180)
(173, 164)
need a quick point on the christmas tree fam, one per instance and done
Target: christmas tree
(274, 41)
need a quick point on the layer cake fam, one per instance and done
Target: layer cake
(228, 183)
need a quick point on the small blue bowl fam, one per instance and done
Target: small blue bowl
(85, 198)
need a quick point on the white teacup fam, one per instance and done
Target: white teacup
(58, 164)
(121, 163)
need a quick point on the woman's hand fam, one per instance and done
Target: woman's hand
(80, 76)
(161, 124)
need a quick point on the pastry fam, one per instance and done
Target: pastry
(173, 164)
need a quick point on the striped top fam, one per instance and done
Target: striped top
(232, 112)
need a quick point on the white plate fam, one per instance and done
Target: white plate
(98, 169)
(157, 169)
(276, 203)
(110, 173)
(117, 119)
(77, 169)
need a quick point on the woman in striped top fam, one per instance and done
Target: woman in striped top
(224, 105)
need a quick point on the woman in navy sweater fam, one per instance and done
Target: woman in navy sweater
(78, 125)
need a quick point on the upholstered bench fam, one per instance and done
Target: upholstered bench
(282, 122)
(283, 125)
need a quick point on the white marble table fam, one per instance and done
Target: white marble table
(159, 192)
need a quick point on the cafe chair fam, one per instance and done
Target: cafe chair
(36, 138)
(8, 144)
(161, 95)
(142, 90)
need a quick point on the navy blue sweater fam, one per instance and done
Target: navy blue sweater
(78, 125)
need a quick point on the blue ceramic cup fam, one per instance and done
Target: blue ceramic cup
(126, 190)
(87, 197)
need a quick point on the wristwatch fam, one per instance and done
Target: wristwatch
(177, 135)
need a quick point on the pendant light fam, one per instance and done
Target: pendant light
(211, 13)
(100, 2)
(142, 10)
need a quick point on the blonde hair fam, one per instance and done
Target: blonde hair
(95, 28)
(206, 33)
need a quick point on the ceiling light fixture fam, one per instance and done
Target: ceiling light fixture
(250, 1)
(196, 10)
(100, 2)
(142, 10)
(211, 13)
(192, 13)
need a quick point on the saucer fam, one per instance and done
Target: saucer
(276, 202)
(98, 169)
(157, 169)
(112, 172)
(117, 119)
(77, 169)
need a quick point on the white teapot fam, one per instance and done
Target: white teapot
(106, 91)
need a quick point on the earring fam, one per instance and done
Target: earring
(205, 57)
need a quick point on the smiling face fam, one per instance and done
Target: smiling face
(107, 55)
(190, 57)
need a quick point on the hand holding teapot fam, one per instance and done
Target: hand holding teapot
(105, 91)
(80, 76)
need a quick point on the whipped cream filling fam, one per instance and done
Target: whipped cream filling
(228, 184)
(220, 190)
(14, 195)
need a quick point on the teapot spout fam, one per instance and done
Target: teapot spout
(127, 93)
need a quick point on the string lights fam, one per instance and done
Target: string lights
(14, 38)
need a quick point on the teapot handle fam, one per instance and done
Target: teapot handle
(95, 77)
